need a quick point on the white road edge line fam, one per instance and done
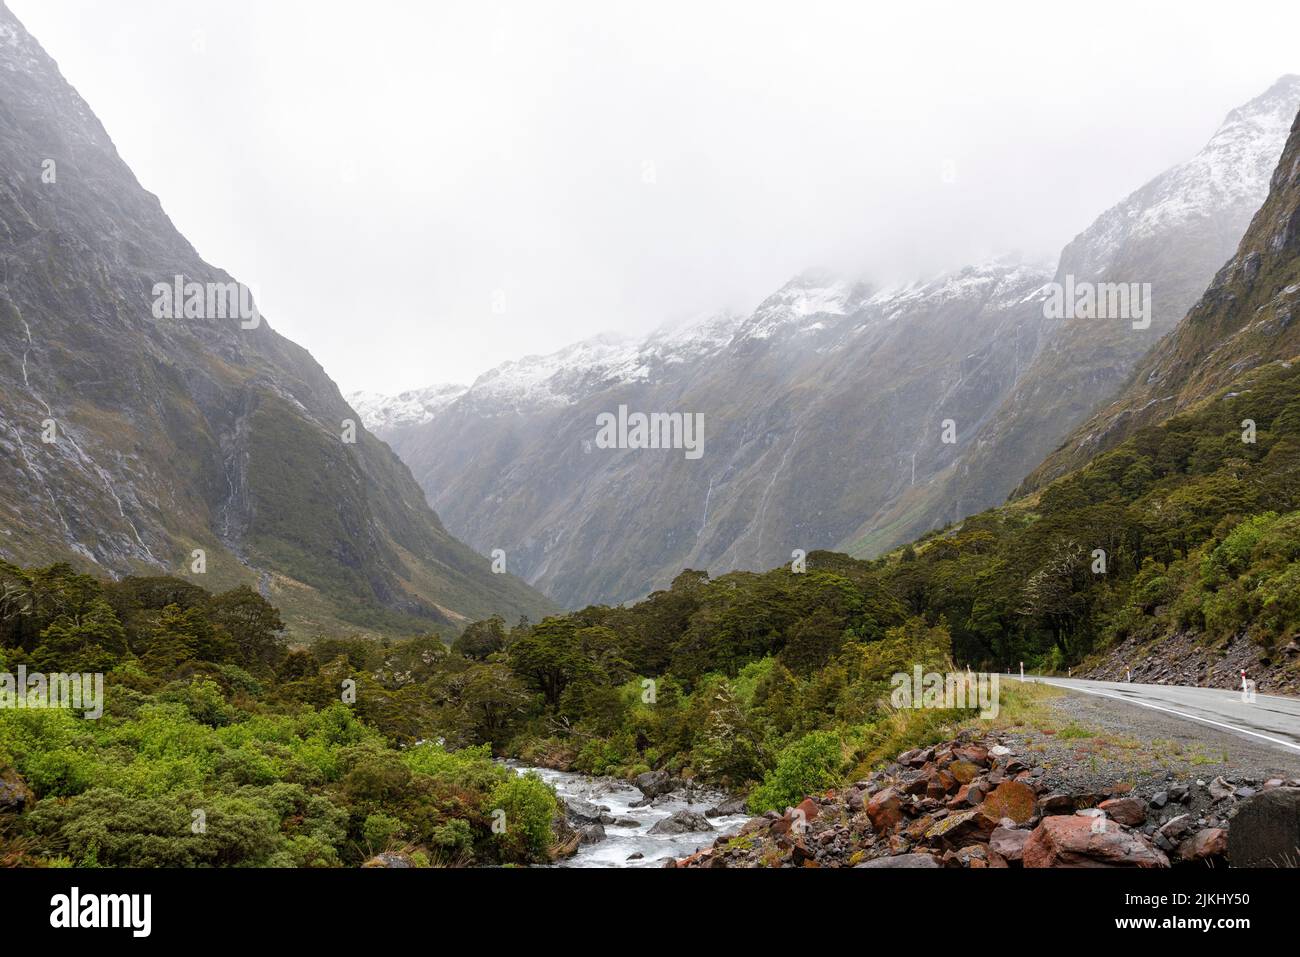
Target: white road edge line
(1181, 714)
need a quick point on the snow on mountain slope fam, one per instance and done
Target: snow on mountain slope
(414, 407)
(1233, 168)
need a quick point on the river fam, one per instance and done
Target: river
(622, 842)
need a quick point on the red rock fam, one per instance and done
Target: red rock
(1012, 799)
(919, 759)
(963, 771)
(973, 753)
(1130, 811)
(917, 785)
(1204, 844)
(939, 784)
(1008, 844)
(885, 810)
(809, 808)
(1063, 841)
(960, 829)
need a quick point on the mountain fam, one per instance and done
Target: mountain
(824, 408)
(1174, 233)
(818, 407)
(132, 440)
(414, 407)
(1244, 320)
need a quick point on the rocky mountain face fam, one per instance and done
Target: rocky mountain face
(1174, 233)
(132, 440)
(822, 405)
(1244, 320)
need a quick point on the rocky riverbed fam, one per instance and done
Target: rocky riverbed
(616, 824)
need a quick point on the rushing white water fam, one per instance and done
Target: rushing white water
(622, 841)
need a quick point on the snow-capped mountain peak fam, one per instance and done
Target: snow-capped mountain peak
(1232, 169)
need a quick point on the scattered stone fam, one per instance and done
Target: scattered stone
(1221, 789)
(963, 771)
(1058, 802)
(1008, 843)
(885, 810)
(390, 859)
(1129, 810)
(1204, 845)
(1012, 799)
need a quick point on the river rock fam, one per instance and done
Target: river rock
(654, 783)
(591, 834)
(728, 808)
(582, 812)
(682, 822)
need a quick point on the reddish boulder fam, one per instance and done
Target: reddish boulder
(808, 807)
(961, 828)
(1130, 811)
(1012, 799)
(885, 810)
(1008, 844)
(1063, 841)
(1204, 845)
(963, 771)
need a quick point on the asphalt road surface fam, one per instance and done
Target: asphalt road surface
(1268, 718)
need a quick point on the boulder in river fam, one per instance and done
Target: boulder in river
(682, 822)
(654, 783)
(727, 808)
(582, 812)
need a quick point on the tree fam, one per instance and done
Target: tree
(481, 639)
(253, 625)
(549, 657)
(492, 699)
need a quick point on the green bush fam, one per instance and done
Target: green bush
(810, 765)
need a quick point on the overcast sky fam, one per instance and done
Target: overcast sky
(417, 191)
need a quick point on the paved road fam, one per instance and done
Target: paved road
(1269, 718)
